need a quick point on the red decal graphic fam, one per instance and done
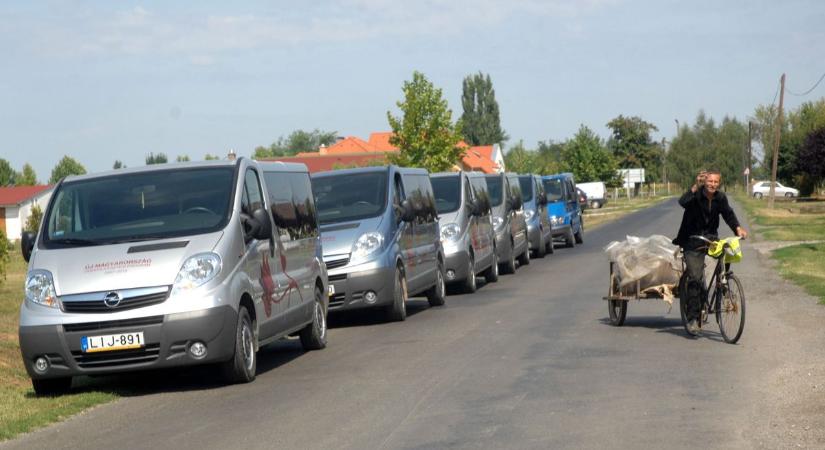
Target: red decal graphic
(268, 284)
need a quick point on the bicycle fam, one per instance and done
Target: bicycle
(725, 297)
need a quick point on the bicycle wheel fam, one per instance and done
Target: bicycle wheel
(730, 312)
(682, 290)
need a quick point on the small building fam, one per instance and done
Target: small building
(16, 204)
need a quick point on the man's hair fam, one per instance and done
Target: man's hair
(713, 172)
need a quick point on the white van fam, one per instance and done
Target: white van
(172, 265)
(596, 193)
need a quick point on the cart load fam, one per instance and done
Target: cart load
(644, 267)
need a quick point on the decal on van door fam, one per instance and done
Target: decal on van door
(268, 284)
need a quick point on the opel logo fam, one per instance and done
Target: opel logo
(112, 299)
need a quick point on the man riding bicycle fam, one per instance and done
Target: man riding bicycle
(703, 205)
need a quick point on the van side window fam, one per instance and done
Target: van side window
(253, 198)
(280, 202)
(469, 198)
(306, 224)
(429, 213)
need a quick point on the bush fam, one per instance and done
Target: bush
(35, 216)
(5, 248)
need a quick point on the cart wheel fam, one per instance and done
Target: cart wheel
(618, 311)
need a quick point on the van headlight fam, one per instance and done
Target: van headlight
(528, 215)
(367, 244)
(196, 271)
(40, 288)
(450, 231)
(557, 220)
(497, 222)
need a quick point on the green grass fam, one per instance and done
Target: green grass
(20, 410)
(803, 264)
(615, 209)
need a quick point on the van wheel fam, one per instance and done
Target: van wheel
(491, 274)
(542, 248)
(314, 335)
(569, 239)
(470, 285)
(595, 205)
(550, 248)
(397, 312)
(524, 258)
(437, 294)
(51, 386)
(580, 234)
(509, 266)
(242, 366)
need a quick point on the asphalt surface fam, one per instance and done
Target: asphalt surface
(528, 362)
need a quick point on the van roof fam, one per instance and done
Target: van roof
(278, 166)
(154, 168)
(357, 170)
(558, 175)
(458, 172)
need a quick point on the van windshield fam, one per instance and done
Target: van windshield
(526, 183)
(139, 206)
(347, 197)
(553, 189)
(447, 193)
(494, 187)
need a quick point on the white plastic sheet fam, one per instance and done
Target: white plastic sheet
(653, 261)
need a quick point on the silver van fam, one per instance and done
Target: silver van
(539, 228)
(172, 265)
(466, 223)
(379, 228)
(508, 220)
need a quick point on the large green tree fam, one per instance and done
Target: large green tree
(65, 167)
(811, 160)
(27, 177)
(586, 156)
(425, 133)
(297, 141)
(481, 121)
(7, 174)
(633, 146)
(548, 157)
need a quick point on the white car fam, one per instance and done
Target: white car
(763, 188)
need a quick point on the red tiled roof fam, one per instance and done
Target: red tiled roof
(351, 144)
(476, 159)
(381, 140)
(320, 163)
(15, 195)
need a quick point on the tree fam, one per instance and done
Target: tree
(210, 157)
(5, 247)
(67, 166)
(425, 133)
(7, 174)
(297, 141)
(160, 158)
(182, 158)
(811, 159)
(520, 160)
(548, 157)
(118, 165)
(633, 147)
(586, 156)
(33, 221)
(482, 124)
(27, 177)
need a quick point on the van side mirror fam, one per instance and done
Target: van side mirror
(27, 244)
(517, 203)
(262, 228)
(407, 211)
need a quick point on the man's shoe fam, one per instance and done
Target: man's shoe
(693, 328)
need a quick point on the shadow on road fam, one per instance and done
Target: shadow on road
(372, 316)
(670, 325)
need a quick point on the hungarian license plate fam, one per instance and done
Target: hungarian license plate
(112, 342)
(331, 290)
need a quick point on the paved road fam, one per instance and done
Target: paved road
(528, 362)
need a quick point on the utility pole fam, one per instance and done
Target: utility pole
(748, 186)
(778, 133)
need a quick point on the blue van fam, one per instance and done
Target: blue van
(564, 209)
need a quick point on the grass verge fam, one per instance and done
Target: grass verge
(616, 209)
(804, 264)
(20, 410)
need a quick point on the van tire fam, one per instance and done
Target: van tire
(524, 258)
(438, 293)
(509, 266)
(241, 368)
(51, 386)
(397, 311)
(491, 274)
(542, 248)
(314, 335)
(470, 284)
(569, 239)
(550, 247)
(580, 234)
(595, 204)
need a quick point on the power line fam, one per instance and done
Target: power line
(773, 102)
(806, 92)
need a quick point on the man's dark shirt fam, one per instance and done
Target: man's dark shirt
(701, 217)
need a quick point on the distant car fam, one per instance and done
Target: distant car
(763, 188)
(582, 198)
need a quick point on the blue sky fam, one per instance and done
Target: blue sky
(101, 81)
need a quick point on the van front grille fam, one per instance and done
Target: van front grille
(109, 324)
(128, 299)
(146, 354)
(337, 263)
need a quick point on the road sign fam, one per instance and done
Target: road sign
(747, 171)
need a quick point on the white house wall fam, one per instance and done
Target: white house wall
(16, 216)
